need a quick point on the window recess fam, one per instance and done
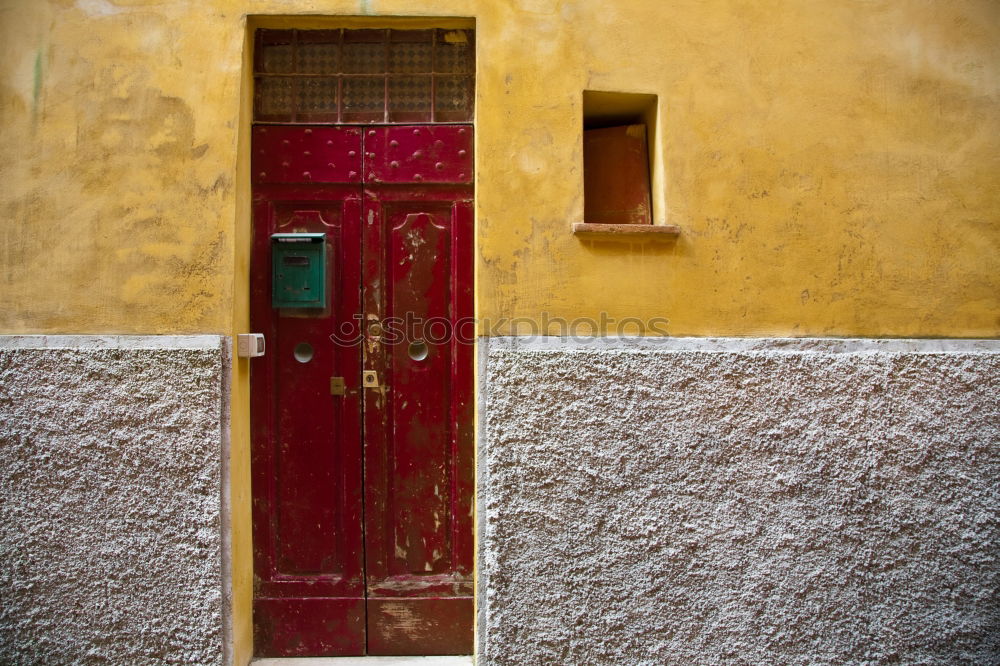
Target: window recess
(619, 140)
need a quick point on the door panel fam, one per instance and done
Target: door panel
(310, 466)
(418, 434)
(306, 154)
(419, 452)
(306, 461)
(362, 502)
(309, 626)
(420, 626)
(419, 155)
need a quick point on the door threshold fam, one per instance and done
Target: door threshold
(463, 660)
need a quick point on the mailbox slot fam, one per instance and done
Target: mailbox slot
(298, 271)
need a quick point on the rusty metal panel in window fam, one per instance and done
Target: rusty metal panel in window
(364, 76)
(616, 176)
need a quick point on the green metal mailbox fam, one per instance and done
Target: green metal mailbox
(298, 270)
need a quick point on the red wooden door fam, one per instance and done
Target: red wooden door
(363, 501)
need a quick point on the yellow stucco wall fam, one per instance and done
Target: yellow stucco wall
(833, 166)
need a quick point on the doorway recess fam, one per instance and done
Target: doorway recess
(362, 430)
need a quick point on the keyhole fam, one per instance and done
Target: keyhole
(418, 350)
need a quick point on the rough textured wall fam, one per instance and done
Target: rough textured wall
(111, 534)
(737, 502)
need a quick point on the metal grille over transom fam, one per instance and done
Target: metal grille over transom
(364, 76)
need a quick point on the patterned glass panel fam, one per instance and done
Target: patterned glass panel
(317, 95)
(453, 53)
(364, 94)
(382, 75)
(274, 95)
(453, 93)
(278, 58)
(408, 57)
(318, 58)
(410, 93)
(363, 57)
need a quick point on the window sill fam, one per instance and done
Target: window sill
(626, 232)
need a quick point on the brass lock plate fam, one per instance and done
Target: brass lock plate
(337, 386)
(369, 379)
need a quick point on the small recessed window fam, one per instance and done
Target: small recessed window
(618, 132)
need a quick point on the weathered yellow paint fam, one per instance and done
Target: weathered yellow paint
(833, 167)
(241, 502)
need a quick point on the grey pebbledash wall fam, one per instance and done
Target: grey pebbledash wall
(112, 459)
(739, 501)
(641, 501)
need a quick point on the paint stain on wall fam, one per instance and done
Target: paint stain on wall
(36, 91)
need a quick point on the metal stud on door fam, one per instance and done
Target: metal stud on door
(367, 393)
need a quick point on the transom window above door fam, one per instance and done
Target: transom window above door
(364, 76)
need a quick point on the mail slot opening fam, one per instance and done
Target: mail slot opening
(296, 261)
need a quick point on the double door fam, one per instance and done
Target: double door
(362, 461)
